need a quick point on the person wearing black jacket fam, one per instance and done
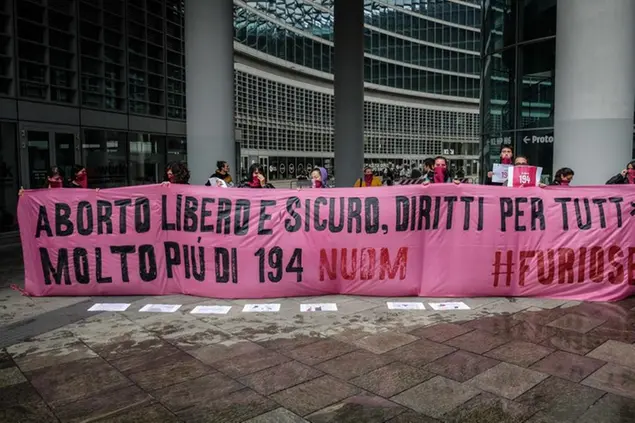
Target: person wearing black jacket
(222, 173)
(563, 177)
(627, 176)
(79, 178)
(506, 156)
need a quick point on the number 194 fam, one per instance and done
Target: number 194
(277, 266)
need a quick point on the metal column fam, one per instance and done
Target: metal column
(349, 91)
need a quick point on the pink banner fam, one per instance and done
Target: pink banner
(441, 240)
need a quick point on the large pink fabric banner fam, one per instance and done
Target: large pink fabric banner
(432, 241)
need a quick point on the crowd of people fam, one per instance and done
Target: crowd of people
(434, 171)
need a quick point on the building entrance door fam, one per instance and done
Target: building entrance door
(42, 148)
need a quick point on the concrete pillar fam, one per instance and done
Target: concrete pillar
(209, 74)
(349, 91)
(595, 88)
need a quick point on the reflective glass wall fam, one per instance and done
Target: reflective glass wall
(429, 46)
(518, 66)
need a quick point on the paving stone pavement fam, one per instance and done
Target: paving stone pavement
(502, 361)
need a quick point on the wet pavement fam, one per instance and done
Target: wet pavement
(504, 360)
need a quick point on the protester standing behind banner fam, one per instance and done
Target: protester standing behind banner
(370, 180)
(319, 178)
(54, 179)
(627, 176)
(222, 173)
(79, 177)
(255, 178)
(442, 173)
(177, 173)
(563, 177)
(506, 160)
(428, 169)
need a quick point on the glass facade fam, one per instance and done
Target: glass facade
(518, 68)
(425, 46)
(421, 59)
(125, 56)
(102, 83)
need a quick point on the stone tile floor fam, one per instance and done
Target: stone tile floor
(505, 360)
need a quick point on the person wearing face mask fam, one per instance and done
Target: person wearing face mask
(506, 157)
(177, 173)
(54, 179)
(441, 173)
(627, 176)
(319, 177)
(563, 177)
(369, 179)
(79, 177)
(256, 178)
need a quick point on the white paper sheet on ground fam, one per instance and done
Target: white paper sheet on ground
(405, 306)
(215, 309)
(318, 307)
(261, 308)
(109, 307)
(449, 306)
(160, 308)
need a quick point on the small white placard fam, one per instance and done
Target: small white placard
(261, 308)
(160, 308)
(405, 306)
(217, 182)
(215, 309)
(318, 307)
(449, 306)
(500, 172)
(109, 307)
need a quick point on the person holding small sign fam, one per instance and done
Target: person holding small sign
(498, 174)
(222, 173)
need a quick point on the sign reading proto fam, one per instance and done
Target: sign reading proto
(535, 139)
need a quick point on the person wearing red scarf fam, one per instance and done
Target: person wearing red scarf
(441, 172)
(54, 179)
(256, 178)
(506, 157)
(626, 176)
(369, 179)
(563, 177)
(79, 177)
